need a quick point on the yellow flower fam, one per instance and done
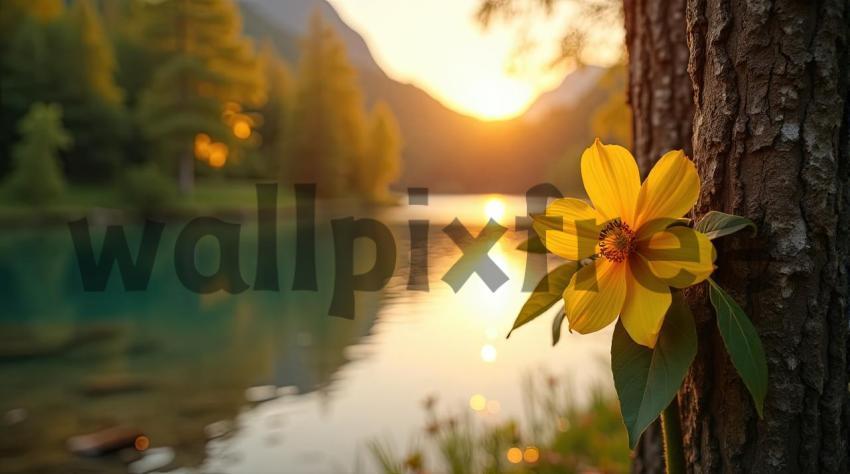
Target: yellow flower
(638, 256)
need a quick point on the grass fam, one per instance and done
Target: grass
(557, 436)
(209, 196)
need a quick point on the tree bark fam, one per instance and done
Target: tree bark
(661, 98)
(660, 92)
(771, 140)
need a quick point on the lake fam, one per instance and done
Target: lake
(264, 382)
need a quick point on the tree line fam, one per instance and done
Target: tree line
(151, 95)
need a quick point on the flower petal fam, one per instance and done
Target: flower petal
(679, 255)
(670, 190)
(573, 232)
(647, 301)
(595, 295)
(612, 180)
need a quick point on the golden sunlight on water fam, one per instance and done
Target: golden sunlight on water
(260, 380)
(448, 345)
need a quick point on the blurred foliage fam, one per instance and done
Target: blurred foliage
(558, 436)
(145, 188)
(141, 81)
(66, 60)
(605, 114)
(582, 30)
(277, 112)
(612, 121)
(383, 147)
(328, 121)
(206, 64)
(37, 175)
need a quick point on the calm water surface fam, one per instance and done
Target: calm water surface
(191, 370)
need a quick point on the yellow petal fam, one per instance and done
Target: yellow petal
(670, 190)
(679, 255)
(612, 180)
(647, 301)
(595, 295)
(573, 232)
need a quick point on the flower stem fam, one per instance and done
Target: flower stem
(674, 456)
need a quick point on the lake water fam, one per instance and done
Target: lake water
(188, 369)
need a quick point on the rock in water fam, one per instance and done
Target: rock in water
(103, 441)
(156, 458)
(261, 393)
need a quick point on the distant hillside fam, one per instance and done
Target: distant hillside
(568, 93)
(444, 150)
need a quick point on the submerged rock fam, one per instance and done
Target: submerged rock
(15, 416)
(103, 385)
(103, 441)
(18, 344)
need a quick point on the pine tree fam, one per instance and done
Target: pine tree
(15, 11)
(68, 61)
(37, 175)
(92, 100)
(382, 163)
(327, 132)
(277, 112)
(206, 63)
(96, 56)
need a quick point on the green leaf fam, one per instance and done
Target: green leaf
(742, 343)
(548, 292)
(647, 379)
(717, 224)
(556, 326)
(532, 245)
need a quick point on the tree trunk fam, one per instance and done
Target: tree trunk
(661, 98)
(660, 92)
(186, 174)
(771, 140)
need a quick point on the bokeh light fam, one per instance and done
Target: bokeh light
(488, 353)
(531, 455)
(242, 129)
(202, 146)
(142, 443)
(514, 455)
(477, 402)
(218, 155)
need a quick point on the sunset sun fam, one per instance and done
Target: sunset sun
(496, 98)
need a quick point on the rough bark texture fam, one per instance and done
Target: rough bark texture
(661, 98)
(770, 140)
(660, 92)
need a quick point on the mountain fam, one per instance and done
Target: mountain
(445, 151)
(568, 93)
(293, 17)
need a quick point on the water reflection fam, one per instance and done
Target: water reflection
(177, 365)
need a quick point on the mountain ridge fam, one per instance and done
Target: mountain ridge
(445, 150)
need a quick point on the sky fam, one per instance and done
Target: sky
(439, 46)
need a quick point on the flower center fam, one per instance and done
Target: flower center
(616, 241)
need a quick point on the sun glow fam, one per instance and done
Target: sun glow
(496, 98)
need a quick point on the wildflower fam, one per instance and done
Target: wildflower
(636, 252)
